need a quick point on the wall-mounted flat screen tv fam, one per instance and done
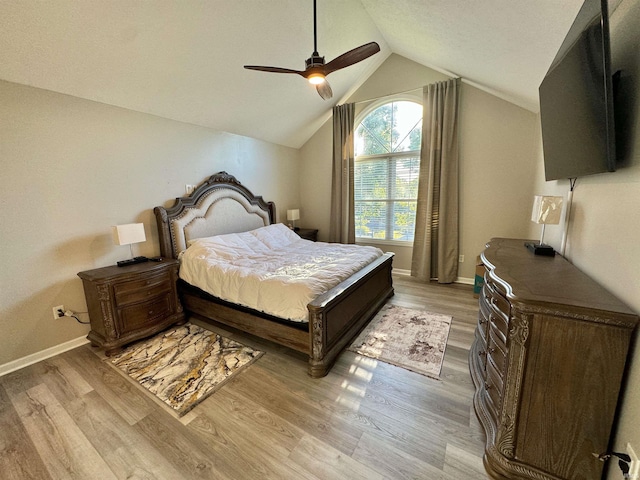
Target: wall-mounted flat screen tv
(576, 100)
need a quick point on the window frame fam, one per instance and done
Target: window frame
(359, 118)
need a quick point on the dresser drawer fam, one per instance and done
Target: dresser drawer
(140, 290)
(496, 299)
(501, 329)
(482, 353)
(496, 351)
(483, 321)
(142, 314)
(494, 386)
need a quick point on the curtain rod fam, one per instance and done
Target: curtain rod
(409, 91)
(388, 95)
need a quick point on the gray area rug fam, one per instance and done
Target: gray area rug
(407, 338)
(184, 365)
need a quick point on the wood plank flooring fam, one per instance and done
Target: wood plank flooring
(74, 416)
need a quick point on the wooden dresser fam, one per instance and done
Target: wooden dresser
(547, 362)
(129, 303)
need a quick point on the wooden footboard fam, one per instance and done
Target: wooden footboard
(336, 317)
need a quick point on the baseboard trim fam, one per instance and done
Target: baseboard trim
(463, 280)
(42, 355)
(400, 271)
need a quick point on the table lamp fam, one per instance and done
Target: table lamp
(546, 211)
(129, 234)
(293, 215)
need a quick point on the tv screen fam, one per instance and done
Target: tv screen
(576, 100)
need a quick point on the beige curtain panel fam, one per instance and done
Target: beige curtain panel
(435, 246)
(342, 224)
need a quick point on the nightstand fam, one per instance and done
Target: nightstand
(307, 233)
(129, 303)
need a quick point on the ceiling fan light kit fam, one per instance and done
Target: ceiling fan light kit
(316, 78)
(316, 70)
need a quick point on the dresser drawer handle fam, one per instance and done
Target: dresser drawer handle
(491, 350)
(481, 353)
(150, 312)
(482, 321)
(487, 386)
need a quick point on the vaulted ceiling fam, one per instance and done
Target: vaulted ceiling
(183, 59)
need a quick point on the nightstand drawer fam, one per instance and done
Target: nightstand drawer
(140, 290)
(138, 316)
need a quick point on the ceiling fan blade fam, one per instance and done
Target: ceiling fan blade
(324, 90)
(352, 56)
(273, 69)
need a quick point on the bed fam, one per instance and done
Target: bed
(223, 206)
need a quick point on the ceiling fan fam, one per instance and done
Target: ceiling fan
(316, 70)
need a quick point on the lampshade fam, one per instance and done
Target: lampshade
(293, 214)
(547, 209)
(128, 233)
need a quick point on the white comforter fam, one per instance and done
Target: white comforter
(271, 269)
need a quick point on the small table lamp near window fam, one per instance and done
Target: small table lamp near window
(547, 210)
(129, 234)
(292, 216)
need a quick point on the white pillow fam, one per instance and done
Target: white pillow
(276, 235)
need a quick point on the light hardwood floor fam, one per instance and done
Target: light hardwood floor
(74, 416)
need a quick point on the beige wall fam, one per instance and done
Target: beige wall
(497, 162)
(604, 229)
(71, 168)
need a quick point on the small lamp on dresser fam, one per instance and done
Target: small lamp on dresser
(546, 211)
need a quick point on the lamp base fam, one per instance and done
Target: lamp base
(132, 261)
(540, 249)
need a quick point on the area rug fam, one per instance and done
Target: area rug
(184, 365)
(407, 338)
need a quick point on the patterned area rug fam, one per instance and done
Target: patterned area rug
(184, 365)
(407, 338)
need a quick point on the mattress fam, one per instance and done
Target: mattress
(271, 269)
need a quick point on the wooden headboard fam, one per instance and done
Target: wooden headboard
(218, 206)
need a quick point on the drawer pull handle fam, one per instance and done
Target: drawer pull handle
(487, 386)
(481, 353)
(491, 350)
(150, 312)
(482, 321)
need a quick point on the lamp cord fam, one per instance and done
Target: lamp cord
(567, 215)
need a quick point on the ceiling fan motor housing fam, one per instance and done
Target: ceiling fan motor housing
(314, 61)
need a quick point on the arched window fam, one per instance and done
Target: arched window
(387, 149)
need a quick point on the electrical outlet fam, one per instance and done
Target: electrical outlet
(461, 259)
(58, 311)
(189, 189)
(634, 464)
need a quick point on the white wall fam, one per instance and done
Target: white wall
(71, 168)
(497, 162)
(604, 230)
